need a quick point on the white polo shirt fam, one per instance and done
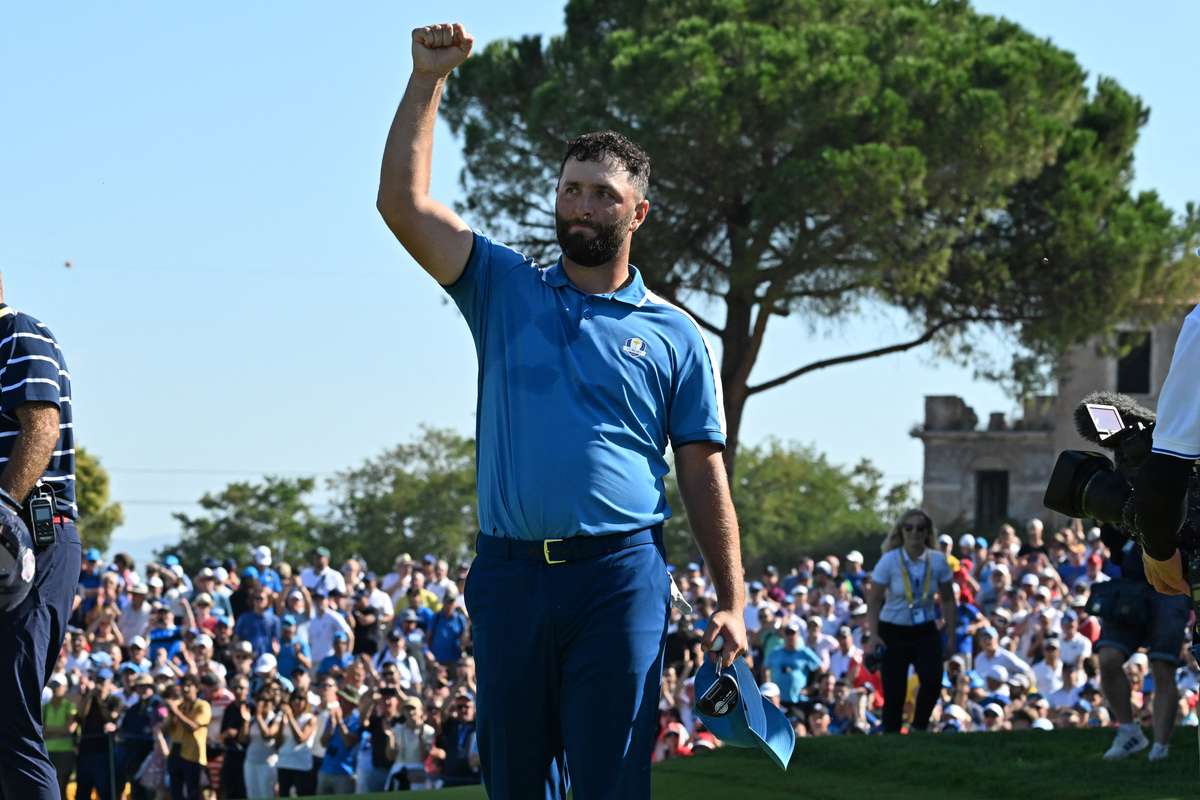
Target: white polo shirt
(1177, 432)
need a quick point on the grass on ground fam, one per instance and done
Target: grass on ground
(1027, 765)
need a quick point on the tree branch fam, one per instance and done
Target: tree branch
(900, 347)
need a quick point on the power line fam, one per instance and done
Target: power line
(215, 471)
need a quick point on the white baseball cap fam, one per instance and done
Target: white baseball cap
(945, 539)
(262, 556)
(996, 672)
(769, 689)
(966, 542)
(266, 662)
(854, 557)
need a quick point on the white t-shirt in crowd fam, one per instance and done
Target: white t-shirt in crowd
(1047, 678)
(321, 630)
(294, 753)
(1075, 649)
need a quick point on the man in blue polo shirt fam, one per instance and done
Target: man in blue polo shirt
(585, 378)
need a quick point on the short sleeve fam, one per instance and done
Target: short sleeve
(1177, 430)
(203, 713)
(942, 573)
(473, 291)
(697, 411)
(884, 570)
(32, 364)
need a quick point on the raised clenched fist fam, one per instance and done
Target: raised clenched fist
(438, 49)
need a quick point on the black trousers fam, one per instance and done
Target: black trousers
(919, 646)
(303, 779)
(31, 636)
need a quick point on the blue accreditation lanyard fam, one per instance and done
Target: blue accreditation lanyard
(926, 594)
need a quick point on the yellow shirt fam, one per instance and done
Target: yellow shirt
(193, 745)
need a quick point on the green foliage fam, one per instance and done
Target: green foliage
(276, 512)
(791, 501)
(819, 157)
(98, 518)
(417, 497)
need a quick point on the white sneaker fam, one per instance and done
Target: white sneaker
(1130, 740)
(1159, 752)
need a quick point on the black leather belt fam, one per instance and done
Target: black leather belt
(561, 551)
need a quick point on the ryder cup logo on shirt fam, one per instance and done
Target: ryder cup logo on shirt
(634, 347)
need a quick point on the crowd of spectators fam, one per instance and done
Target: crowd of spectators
(1024, 639)
(265, 679)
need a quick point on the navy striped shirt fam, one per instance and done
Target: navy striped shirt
(35, 371)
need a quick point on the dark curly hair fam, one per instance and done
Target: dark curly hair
(597, 145)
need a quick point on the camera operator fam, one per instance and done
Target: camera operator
(1160, 488)
(42, 561)
(1144, 618)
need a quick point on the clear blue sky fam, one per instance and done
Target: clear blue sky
(236, 307)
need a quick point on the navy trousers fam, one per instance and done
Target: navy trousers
(31, 637)
(569, 661)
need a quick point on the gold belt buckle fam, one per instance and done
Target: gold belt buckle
(546, 551)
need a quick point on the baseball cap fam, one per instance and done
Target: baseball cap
(993, 709)
(823, 568)
(265, 663)
(854, 557)
(221, 574)
(756, 586)
(1070, 616)
(859, 609)
(752, 721)
(322, 551)
(988, 630)
(411, 702)
(207, 572)
(138, 641)
(288, 620)
(203, 599)
(1001, 568)
(171, 560)
(410, 616)
(204, 640)
(250, 571)
(769, 689)
(945, 539)
(341, 636)
(262, 555)
(827, 599)
(966, 542)
(429, 558)
(91, 554)
(139, 588)
(996, 673)
(693, 566)
(104, 674)
(1093, 534)
(58, 679)
(771, 569)
(245, 647)
(794, 626)
(1029, 580)
(1042, 724)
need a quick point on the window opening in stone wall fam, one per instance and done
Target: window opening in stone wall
(991, 500)
(1133, 369)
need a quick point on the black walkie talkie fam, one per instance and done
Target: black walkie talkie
(41, 516)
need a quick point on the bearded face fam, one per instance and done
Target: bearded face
(590, 244)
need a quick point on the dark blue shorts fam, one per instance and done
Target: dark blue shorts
(1162, 633)
(31, 637)
(569, 660)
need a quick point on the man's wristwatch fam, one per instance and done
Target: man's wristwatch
(10, 501)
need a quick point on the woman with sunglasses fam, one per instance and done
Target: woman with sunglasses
(910, 576)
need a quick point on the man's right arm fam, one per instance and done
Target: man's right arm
(432, 233)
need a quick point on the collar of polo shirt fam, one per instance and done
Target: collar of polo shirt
(632, 293)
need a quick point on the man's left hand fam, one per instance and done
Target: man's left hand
(731, 627)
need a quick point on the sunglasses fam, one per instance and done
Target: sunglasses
(910, 528)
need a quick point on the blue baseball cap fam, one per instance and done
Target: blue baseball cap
(250, 572)
(91, 554)
(106, 674)
(171, 560)
(341, 636)
(289, 620)
(981, 542)
(754, 722)
(988, 630)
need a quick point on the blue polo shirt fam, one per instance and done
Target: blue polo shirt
(579, 396)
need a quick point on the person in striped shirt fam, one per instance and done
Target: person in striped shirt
(36, 448)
